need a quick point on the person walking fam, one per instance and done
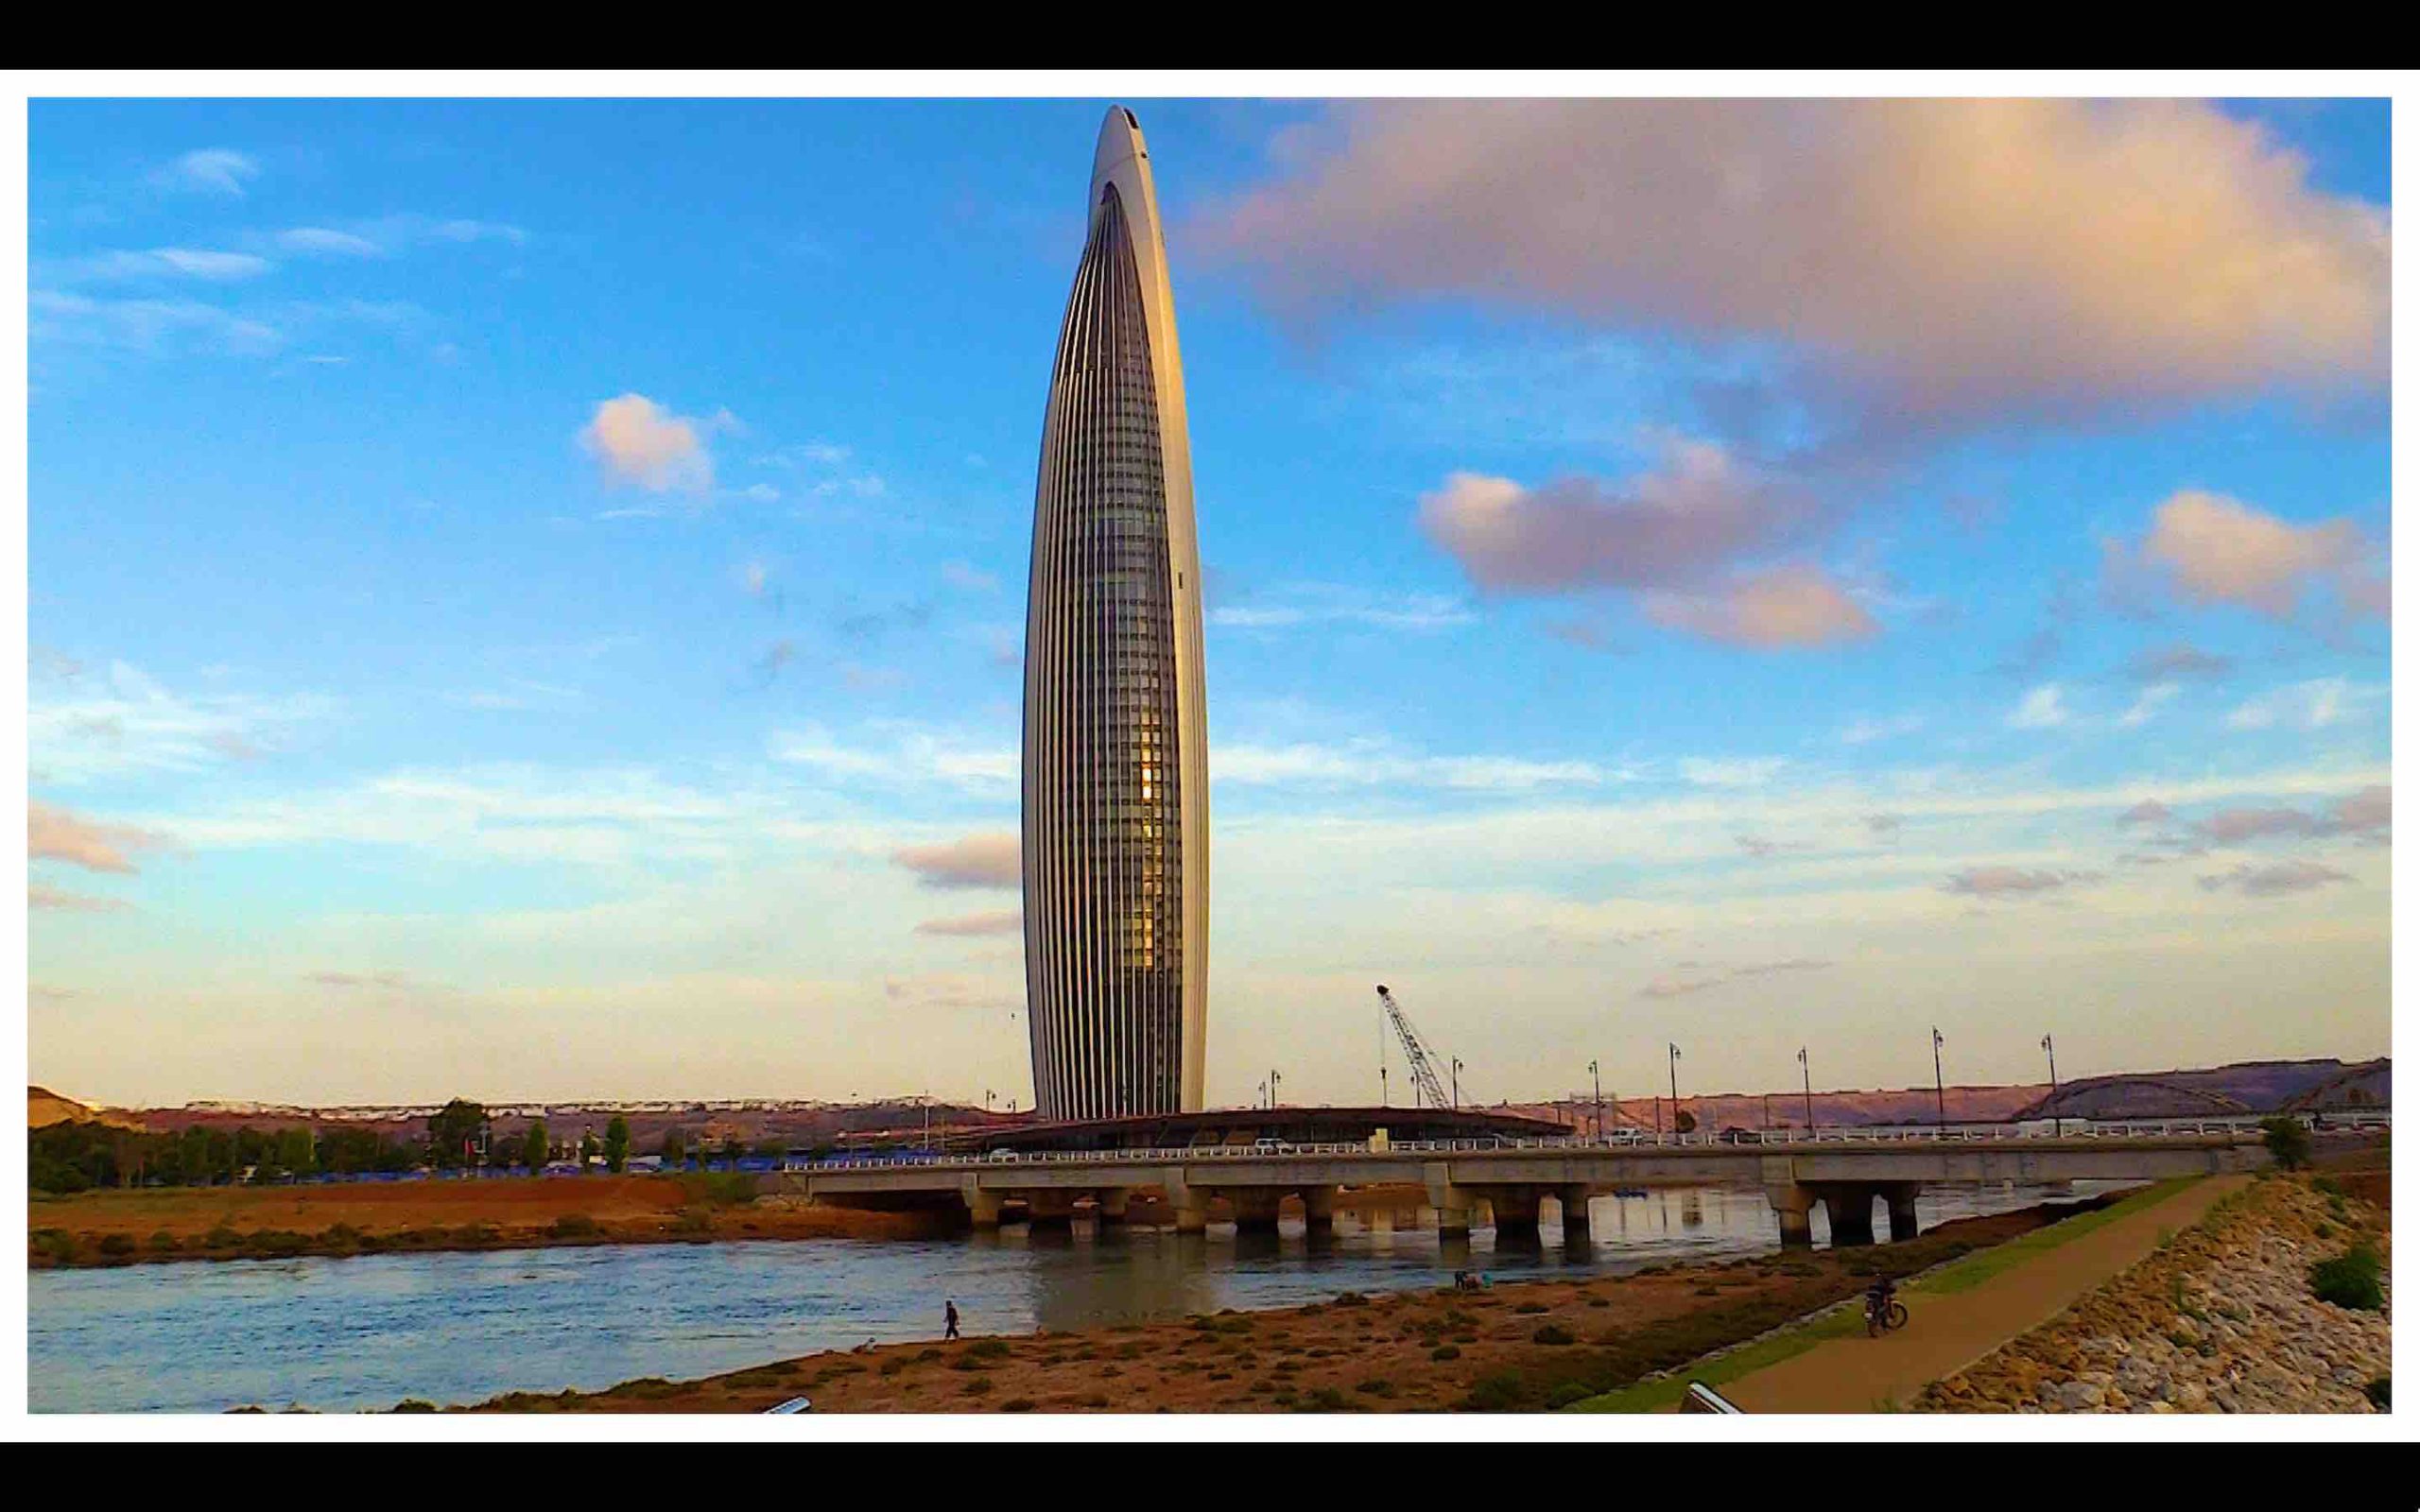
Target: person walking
(949, 1318)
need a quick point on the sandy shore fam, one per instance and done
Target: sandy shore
(1516, 1346)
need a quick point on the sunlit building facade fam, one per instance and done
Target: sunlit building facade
(1116, 831)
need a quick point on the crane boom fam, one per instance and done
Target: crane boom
(1423, 1074)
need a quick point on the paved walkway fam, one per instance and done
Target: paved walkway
(1947, 1332)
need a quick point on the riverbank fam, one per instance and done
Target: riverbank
(126, 1228)
(2221, 1318)
(1521, 1347)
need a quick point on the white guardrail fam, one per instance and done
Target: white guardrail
(2237, 1129)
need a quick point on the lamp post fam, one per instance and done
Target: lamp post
(1672, 1064)
(1455, 1072)
(1274, 1083)
(2050, 1050)
(1599, 1082)
(1806, 1083)
(1940, 1099)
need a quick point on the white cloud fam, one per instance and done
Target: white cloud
(2044, 708)
(216, 170)
(123, 722)
(2313, 705)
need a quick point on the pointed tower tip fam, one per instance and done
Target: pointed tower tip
(1121, 137)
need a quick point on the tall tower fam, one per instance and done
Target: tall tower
(1116, 780)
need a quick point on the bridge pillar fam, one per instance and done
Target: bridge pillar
(1574, 1198)
(1792, 1205)
(1048, 1207)
(1319, 1207)
(1516, 1211)
(1192, 1206)
(983, 1207)
(1901, 1197)
(1109, 1205)
(1453, 1205)
(1256, 1208)
(1850, 1206)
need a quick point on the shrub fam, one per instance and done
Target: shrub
(163, 1240)
(1351, 1300)
(2376, 1392)
(1445, 1352)
(1016, 1403)
(988, 1348)
(117, 1243)
(2350, 1281)
(415, 1405)
(573, 1226)
(1376, 1386)
(976, 1387)
(1327, 1399)
(1551, 1333)
(1565, 1395)
(1503, 1392)
(1531, 1307)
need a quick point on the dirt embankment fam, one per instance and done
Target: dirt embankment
(2220, 1318)
(1513, 1347)
(232, 1223)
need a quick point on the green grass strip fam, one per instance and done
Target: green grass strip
(1957, 1276)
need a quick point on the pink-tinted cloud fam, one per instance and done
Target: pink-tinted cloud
(2169, 663)
(56, 834)
(1965, 257)
(2150, 810)
(2010, 882)
(977, 861)
(1788, 607)
(1682, 522)
(40, 896)
(2211, 549)
(1005, 922)
(639, 441)
(2274, 879)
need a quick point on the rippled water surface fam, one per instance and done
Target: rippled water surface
(369, 1332)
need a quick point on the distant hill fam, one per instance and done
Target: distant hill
(2245, 1088)
(45, 1108)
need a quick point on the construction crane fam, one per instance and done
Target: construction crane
(1423, 1075)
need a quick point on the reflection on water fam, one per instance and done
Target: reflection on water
(370, 1330)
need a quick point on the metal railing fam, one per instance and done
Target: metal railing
(2236, 1130)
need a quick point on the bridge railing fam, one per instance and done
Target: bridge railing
(2233, 1129)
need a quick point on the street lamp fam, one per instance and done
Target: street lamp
(2051, 1050)
(1806, 1082)
(1940, 1099)
(1599, 1083)
(1456, 1073)
(1672, 1064)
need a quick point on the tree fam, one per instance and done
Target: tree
(453, 1129)
(617, 1144)
(675, 1149)
(534, 1147)
(2289, 1142)
(588, 1149)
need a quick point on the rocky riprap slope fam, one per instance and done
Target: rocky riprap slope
(2220, 1318)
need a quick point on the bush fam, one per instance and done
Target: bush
(415, 1405)
(1565, 1395)
(1551, 1333)
(2376, 1391)
(1531, 1307)
(163, 1240)
(989, 1349)
(1016, 1403)
(117, 1243)
(2350, 1281)
(1376, 1386)
(1504, 1392)
(1351, 1300)
(976, 1387)
(1445, 1352)
(573, 1226)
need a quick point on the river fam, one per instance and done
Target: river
(368, 1331)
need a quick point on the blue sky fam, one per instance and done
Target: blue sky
(526, 598)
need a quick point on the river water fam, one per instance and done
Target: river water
(370, 1330)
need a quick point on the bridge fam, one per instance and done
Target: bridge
(1512, 1179)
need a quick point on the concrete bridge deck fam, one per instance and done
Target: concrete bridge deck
(1510, 1178)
